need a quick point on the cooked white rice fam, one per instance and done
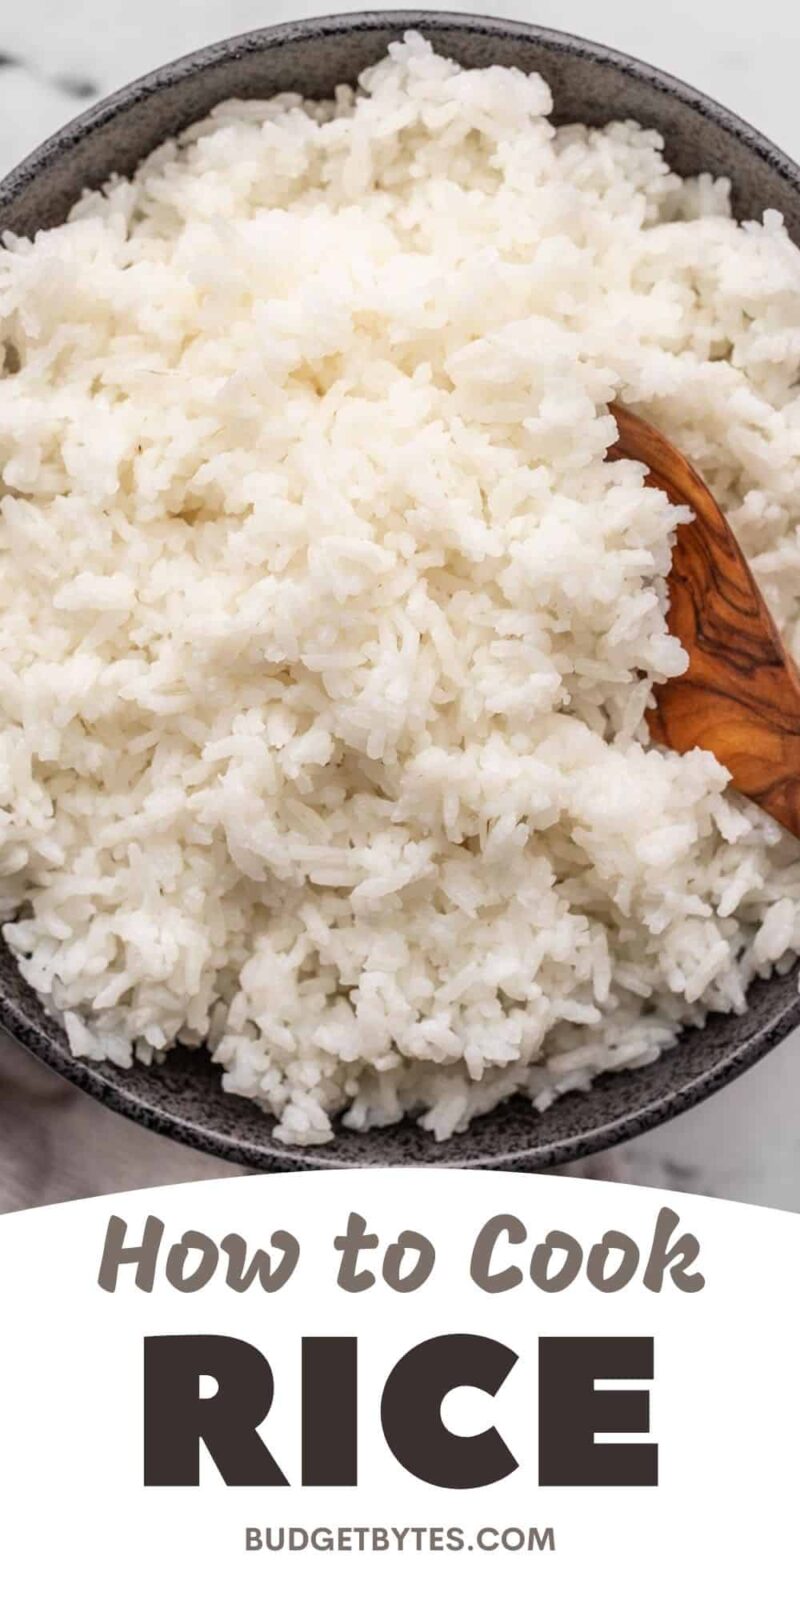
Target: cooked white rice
(326, 629)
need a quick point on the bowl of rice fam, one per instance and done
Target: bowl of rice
(331, 829)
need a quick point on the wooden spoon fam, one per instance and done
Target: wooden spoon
(740, 696)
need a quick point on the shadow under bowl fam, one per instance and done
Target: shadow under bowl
(183, 1097)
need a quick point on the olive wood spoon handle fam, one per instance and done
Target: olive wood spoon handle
(740, 695)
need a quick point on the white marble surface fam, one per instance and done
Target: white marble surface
(54, 59)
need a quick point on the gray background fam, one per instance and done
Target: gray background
(55, 59)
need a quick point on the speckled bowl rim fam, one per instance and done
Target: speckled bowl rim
(122, 1095)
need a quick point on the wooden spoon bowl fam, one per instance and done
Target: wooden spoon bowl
(740, 696)
(183, 1097)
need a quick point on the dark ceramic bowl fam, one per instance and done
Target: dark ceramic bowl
(591, 84)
